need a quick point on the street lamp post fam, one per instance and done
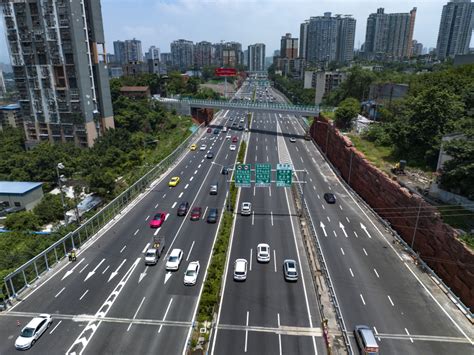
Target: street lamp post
(60, 166)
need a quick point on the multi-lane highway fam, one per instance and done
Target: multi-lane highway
(375, 282)
(94, 300)
(265, 314)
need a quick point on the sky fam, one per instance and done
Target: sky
(159, 22)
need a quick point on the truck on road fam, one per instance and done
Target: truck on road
(153, 253)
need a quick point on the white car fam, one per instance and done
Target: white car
(240, 270)
(32, 331)
(246, 209)
(203, 147)
(191, 274)
(174, 259)
(232, 147)
(263, 253)
(228, 136)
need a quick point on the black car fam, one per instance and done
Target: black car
(183, 208)
(225, 170)
(212, 215)
(216, 131)
(210, 155)
(329, 197)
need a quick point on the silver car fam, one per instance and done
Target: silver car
(263, 253)
(246, 209)
(290, 270)
(32, 331)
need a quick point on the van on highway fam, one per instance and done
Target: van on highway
(366, 340)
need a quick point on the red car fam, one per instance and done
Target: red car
(158, 220)
(196, 214)
(209, 130)
(235, 139)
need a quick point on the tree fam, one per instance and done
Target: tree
(346, 113)
(50, 209)
(457, 173)
(22, 221)
(356, 85)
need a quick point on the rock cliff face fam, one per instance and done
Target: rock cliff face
(435, 241)
(201, 115)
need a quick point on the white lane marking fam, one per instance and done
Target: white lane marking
(80, 271)
(186, 186)
(365, 229)
(199, 166)
(365, 252)
(322, 205)
(246, 332)
(274, 260)
(319, 196)
(297, 150)
(85, 293)
(204, 215)
(253, 217)
(136, 232)
(164, 317)
(310, 179)
(279, 335)
(115, 273)
(342, 251)
(256, 148)
(190, 250)
(376, 273)
(302, 159)
(143, 274)
(135, 315)
(329, 187)
(191, 179)
(266, 148)
(355, 233)
(335, 234)
(411, 339)
(329, 219)
(350, 270)
(60, 292)
(174, 204)
(121, 250)
(181, 195)
(202, 161)
(156, 232)
(267, 158)
(57, 325)
(362, 298)
(146, 219)
(226, 156)
(254, 190)
(72, 270)
(340, 207)
(146, 247)
(105, 270)
(347, 219)
(164, 195)
(251, 259)
(195, 172)
(314, 188)
(255, 157)
(390, 300)
(186, 167)
(93, 271)
(156, 206)
(270, 190)
(181, 173)
(271, 216)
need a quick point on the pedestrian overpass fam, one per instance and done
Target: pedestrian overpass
(184, 106)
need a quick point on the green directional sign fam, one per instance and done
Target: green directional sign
(242, 175)
(263, 175)
(284, 175)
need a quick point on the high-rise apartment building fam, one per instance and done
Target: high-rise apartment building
(203, 54)
(128, 51)
(256, 57)
(327, 38)
(288, 47)
(416, 48)
(3, 88)
(57, 50)
(228, 54)
(182, 54)
(389, 36)
(455, 28)
(153, 53)
(119, 52)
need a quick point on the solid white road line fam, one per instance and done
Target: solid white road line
(270, 190)
(253, 217)
(274, 260)
(80, 271)
(347, 219)
(204, 214)
(85, 293)
(355, 233)
(350, 270)
(60, 292)
(190, 250)
(91, 273)
(251, 259)
(191, 179)
(195, 172)
(199, 166)
(146, 247)
(411, 339)
(166, 312)
(136, 232)
(279, 334)
(156, 206)
(186, 186)
(365, 252)
(271, 216)
(146, 219)
(180, 195)
(254, 190)
(174, 204)
(246, 332)
(57, 325)
(342, 251)
(156, 232)
(376, 273)
(105, 270)
(362, 298)
(135, 315)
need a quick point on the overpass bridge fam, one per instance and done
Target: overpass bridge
(184, 105)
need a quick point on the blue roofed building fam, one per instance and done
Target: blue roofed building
(20, 194)
(10, 116)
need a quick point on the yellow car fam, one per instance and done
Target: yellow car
(193, 147)
(174, 181)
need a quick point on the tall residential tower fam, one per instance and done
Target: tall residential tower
(57, 50)
(256, 57)
(455, 28)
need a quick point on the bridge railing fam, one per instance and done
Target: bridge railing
(22, 277)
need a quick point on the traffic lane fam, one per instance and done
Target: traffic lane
(140, 339)
(239, 342)
(294, 344)
(53, 341)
